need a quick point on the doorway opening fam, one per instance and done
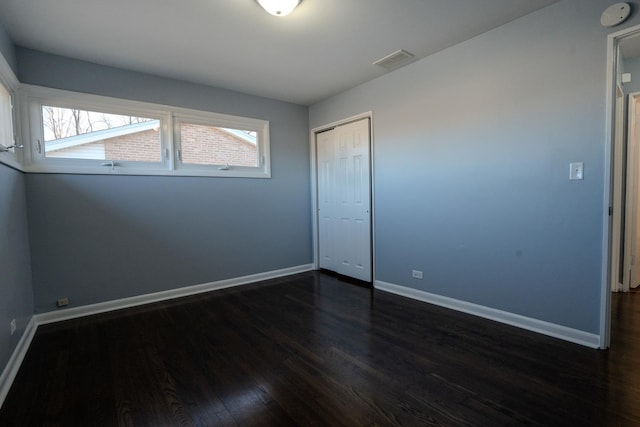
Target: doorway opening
(621, 274)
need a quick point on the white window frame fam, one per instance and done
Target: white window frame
(32, 98)
(217, 120)
(9, 82)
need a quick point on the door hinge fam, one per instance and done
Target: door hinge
(610, 210)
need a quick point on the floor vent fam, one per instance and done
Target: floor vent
(396, 59)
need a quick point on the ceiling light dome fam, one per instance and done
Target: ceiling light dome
(279, 7)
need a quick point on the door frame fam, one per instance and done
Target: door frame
(617, 212)
(314, 186)
(611, 199)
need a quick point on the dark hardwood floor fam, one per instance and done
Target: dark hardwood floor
(312, 350)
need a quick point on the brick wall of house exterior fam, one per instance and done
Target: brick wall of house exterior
(138, 147)
(200, 145)
(210, 145)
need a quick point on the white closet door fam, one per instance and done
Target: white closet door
(344, 199)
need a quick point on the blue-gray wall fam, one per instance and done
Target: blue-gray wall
(99, 238)
(472, 153)
(16, 293)
(7, 50)
(472, 147)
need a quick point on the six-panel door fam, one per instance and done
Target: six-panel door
(344, 199)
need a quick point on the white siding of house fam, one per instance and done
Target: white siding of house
(94, 150)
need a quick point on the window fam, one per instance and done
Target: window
(6, 120)
(79, 133)
(211, 145)
(205, 141)
(71, 133)
(10, 152)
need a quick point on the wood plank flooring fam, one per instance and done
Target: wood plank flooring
(310, 349)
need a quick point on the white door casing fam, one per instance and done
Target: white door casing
(617, 261)
(344, 199)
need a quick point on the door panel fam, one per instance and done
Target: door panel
(631, 200)
(344, 199)
(325, 148)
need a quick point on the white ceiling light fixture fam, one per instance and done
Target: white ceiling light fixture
(279, 7)
(615, 14)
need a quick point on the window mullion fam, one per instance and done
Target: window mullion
(169, 136)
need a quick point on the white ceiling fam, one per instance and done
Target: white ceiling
(322, 48)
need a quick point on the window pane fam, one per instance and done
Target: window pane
(210, 145)
(6, 122)
(80, 134)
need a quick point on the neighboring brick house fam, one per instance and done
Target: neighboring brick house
(218, 146)
(143, 146)
(141, 142)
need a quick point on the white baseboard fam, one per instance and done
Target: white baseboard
(535, 325)
(103, 307)
(11, 370)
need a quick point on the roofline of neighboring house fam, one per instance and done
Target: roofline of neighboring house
(240, 134)
(74, 141)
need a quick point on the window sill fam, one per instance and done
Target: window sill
(128, 171)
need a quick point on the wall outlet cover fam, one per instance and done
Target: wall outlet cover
(576, 170)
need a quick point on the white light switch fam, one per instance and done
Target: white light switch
(576, 170)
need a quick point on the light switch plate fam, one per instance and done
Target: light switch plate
(576, 170)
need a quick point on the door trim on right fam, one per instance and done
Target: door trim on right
(314, 187)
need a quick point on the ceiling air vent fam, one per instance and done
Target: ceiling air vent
(396, 59)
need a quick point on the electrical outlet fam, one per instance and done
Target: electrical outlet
(63, 302)
(12, 326)
(416, 274)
